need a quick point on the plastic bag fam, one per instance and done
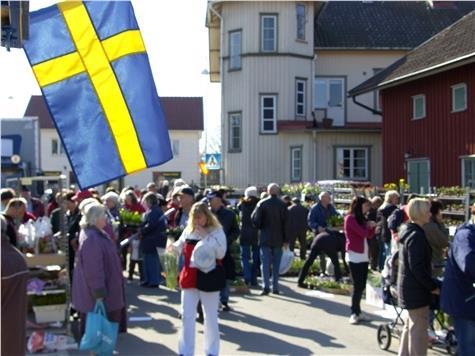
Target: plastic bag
(170, 262)
(286, 261)
(101, 334)
(43, 227)
(27, 234)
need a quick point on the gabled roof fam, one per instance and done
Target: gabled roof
(452, 47)
(182, 113)
(384, 24)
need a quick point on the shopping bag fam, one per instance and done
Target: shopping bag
(100, 335)
(286, 261)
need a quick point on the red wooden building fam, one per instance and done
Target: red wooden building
(428, 101)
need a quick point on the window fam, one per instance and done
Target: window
(56, 147)
(468, 172)
(300, 8)
(235, 50)
(352, 163)
(300, 86)
(235, 132)
(459, 97)
(376, 97)
(268, 33)
(7, 147)
(328, 92)
(418, 107)
(268, 114)
(296, 164)
(418, 175)
(176, 147)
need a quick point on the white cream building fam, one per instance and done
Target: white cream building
(284, 66)
(185, 122)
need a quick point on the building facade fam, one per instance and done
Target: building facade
(184, 117)
(285, 69)
(429, 109)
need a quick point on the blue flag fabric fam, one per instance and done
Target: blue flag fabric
(91, 64)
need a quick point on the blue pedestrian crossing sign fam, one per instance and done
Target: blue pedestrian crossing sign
(213, 161)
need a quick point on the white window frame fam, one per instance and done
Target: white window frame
(454, 88)
(274, 47)
(235, 51)
(231, 147)
(295, 165)
(176, 147)
(302, 104)
(414, 100)
(300, 22)
(352, 167)
(327, 81)
(274, 108)
(464, 159)
(59, 147)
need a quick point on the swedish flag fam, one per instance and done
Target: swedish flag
(90, 62)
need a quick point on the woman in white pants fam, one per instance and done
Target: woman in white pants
(202, 226)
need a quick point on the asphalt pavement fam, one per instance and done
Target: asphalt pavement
(296, 322)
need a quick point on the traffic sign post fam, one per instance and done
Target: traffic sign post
(213, 161)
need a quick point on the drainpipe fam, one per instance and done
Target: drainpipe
(221, 74)
(314, 134)
(374, 111)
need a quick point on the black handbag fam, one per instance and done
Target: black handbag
(213, 281)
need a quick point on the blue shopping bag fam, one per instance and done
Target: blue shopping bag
(100, 335)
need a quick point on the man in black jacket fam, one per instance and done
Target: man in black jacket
(298, 226)
(228, 220)
(271, 217)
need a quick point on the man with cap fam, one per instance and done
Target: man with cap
(298, 226)
(6, 195)
(271, 217)
(14, 213)
(186, 198)
(152, 187)
(228, 220)
(33, 205)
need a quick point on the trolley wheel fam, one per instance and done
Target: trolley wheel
(384, 336)
(451, 343)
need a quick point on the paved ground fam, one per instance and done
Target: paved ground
(298, 322)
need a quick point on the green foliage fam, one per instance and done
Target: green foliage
(38, 300)
(297, 265)
(319, 283)
(171, 269)
(174, 232)
(451, 191)
(130, 217)
(335, 220)
(374, 279)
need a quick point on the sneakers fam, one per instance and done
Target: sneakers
(354, 319)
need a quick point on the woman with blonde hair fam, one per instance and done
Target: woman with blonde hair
(203, 244)
(414, 282)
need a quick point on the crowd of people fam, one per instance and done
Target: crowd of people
(103, 244)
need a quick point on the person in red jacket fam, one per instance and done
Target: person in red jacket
(203, 227)
(357, 231)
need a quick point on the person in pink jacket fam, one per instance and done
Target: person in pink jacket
(357, 231)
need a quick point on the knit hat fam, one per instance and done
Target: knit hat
(250, 192)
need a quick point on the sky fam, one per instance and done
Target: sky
(176, 40)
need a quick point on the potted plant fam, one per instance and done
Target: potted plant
(327, 123)
(49, 306)
(374, 290)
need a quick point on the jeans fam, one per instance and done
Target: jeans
(249, 268)
(270, 256)
(152, 269)
(224, 293)
(359, 274)
(384, 252)
(465, 333)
